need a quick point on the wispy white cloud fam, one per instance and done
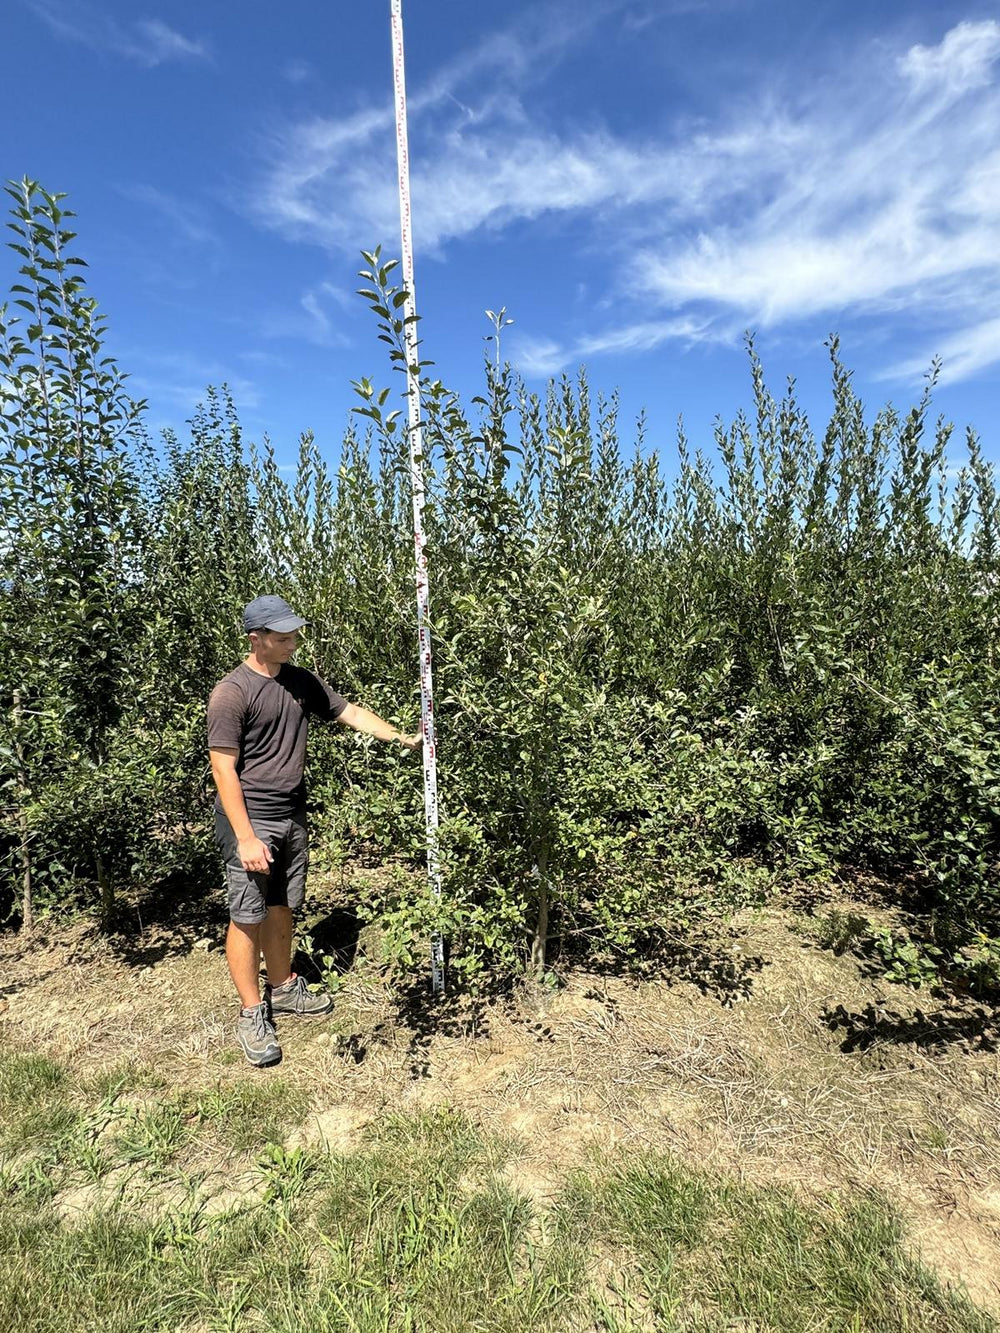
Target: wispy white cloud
(319, 303)
(318, 317)
(297, 71)
(546, 356)
(892, 209)
(185, 220)
(962, 354)
(315, 317)
(638, 17)
(257, 357)
(148, 41)
(962, 60)
(159, 42)
(875, 193)
(179, 380)
(332, 180)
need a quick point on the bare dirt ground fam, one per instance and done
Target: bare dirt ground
(753, 1052)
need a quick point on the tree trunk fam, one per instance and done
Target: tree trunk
(27, 906)
(541, 936)
(107, 889)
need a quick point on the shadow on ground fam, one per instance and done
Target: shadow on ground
(168, 920)
(974, 1029)
(334, 935)
(9, 988)
(719, 972)
(422, 1016)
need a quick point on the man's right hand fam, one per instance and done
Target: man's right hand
(255, 855)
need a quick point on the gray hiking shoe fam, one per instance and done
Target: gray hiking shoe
(255, 1033)
(295, 997)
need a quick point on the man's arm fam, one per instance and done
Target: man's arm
(254, 854)
(361, 719)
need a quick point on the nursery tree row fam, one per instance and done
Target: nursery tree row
(666, 683)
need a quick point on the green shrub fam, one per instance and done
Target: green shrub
(660, 691)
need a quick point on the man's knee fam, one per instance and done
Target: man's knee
(249, 930)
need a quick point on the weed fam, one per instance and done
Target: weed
(906, 961)
(25, 1078)
(246, 1115)
(127, 1077)
(285, 1172)
(978, 964)
(697, 1251)
(840, 931)
(31, 1182)
(330, 979)
(153, 1136)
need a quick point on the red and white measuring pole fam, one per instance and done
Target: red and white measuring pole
(417, 480)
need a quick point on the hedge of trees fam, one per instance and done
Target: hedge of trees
(663, 688)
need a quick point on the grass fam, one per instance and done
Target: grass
(32, 1094)
(246, 1115)
(418, 1228)
(708, 1253)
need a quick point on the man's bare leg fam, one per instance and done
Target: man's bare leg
(254, 1029)
(243, 956)
(276, 941)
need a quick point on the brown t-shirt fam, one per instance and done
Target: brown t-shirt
(266, 719)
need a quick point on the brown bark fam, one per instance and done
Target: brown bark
(541, 935)
(27, 906)
(106, 887)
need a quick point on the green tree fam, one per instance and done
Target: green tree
(69, 503)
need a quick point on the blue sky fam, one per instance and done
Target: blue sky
(637, 181)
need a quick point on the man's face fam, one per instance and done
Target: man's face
(273, 648)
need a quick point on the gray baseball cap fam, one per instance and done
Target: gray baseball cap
(271, 613)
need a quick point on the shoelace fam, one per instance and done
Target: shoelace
(263, 1028)
(295, 992)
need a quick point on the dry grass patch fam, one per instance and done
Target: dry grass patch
(729, 1062)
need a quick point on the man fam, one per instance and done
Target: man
(258, 722)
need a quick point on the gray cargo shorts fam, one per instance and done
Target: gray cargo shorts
(250, 893)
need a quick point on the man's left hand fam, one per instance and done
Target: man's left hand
(413, 742)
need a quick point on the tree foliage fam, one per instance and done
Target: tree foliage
(661, 689)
